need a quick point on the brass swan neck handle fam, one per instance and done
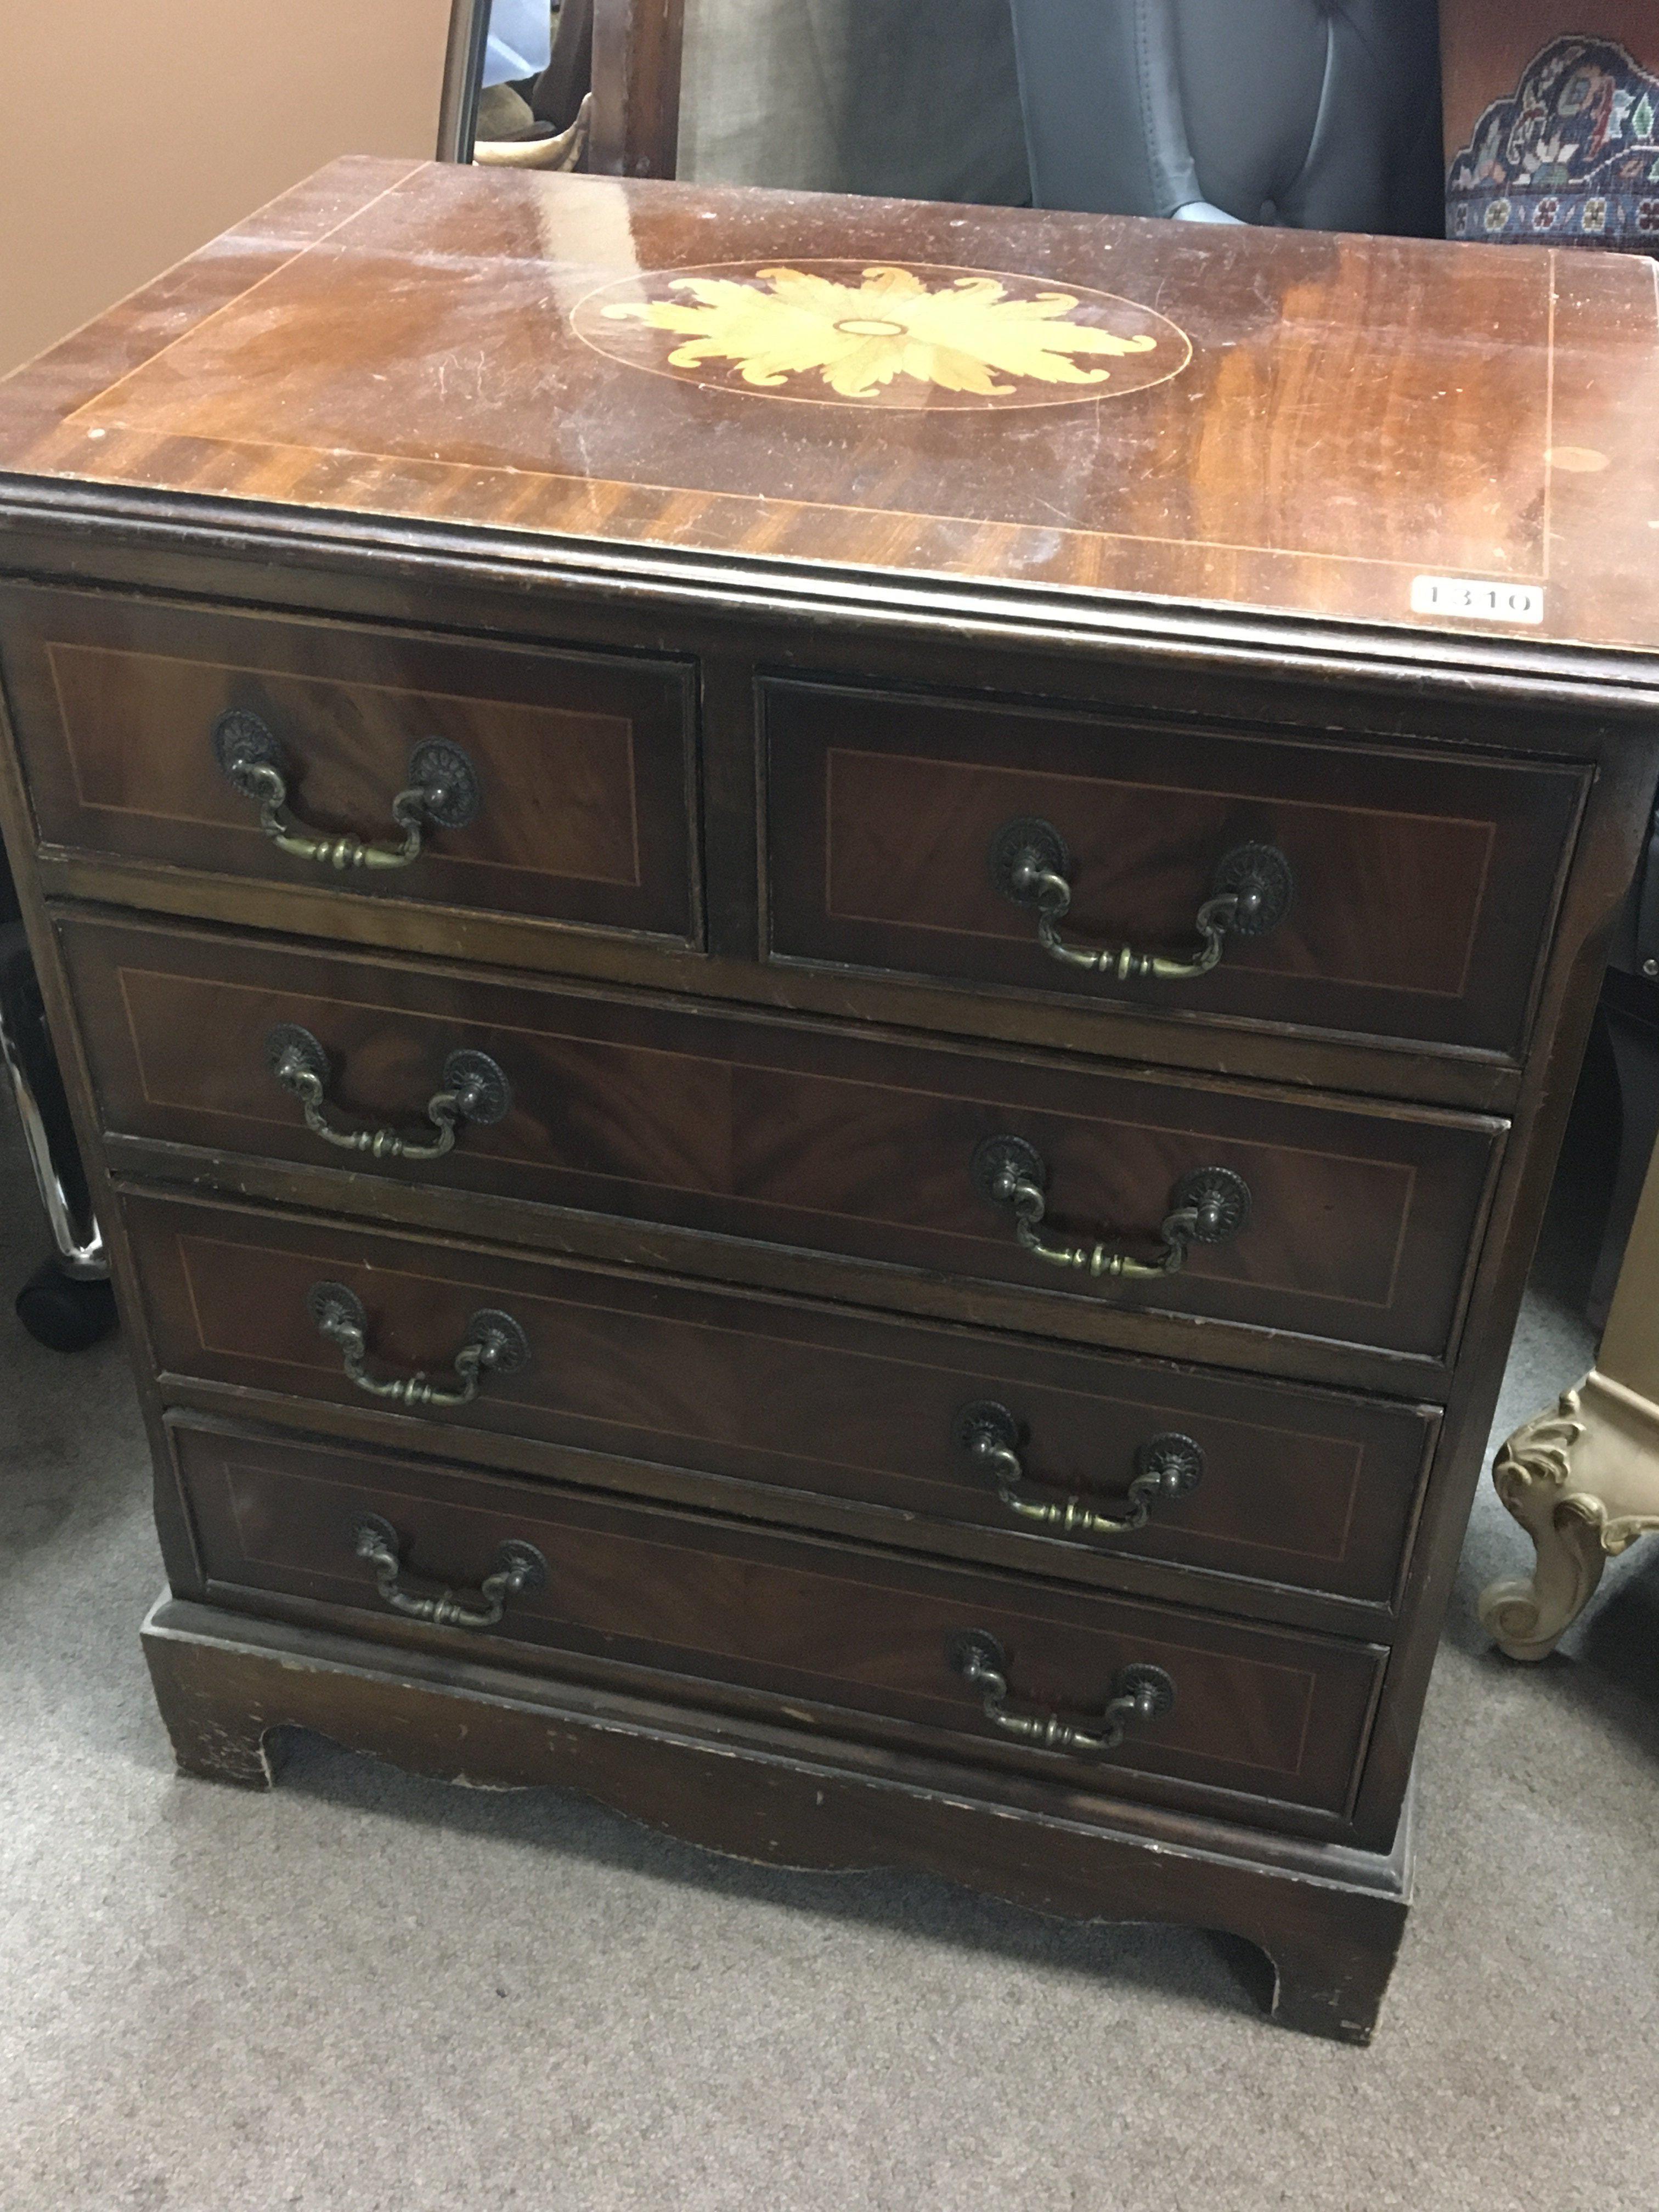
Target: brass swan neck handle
(1207, 1206)
(1141, 1695)
(472, 1089)
(493, 1344)
(1251, 894)
(1168, 1468)
(518, 1567)
(442, 793)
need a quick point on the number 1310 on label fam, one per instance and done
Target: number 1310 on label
(1476, 601)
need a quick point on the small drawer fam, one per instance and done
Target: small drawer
(1388, 893)
(1322, 1216)
(787, 1412)
(703, 1610)
(554, 786)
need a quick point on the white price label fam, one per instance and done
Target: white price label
(1476, 601)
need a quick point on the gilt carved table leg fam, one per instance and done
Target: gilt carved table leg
(1583, 1482)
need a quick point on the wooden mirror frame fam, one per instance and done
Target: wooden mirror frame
(464, 56)
(638, 47)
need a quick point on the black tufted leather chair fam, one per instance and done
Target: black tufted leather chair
(1319, 113)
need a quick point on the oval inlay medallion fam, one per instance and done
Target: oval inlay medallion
(848, 333)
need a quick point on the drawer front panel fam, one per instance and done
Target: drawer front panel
(1308, 1489)
(585, 765)
(1422, 886)
(1273, 1715)
(1359, 1225)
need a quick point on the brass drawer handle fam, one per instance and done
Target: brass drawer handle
(1206, 1206)
(443, 794)
(518, 1567)
(1140, 1694)
(1170, 1466)
(494, 1344)
(473, 1089)
(1250, 895)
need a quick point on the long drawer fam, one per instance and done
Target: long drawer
(1399, 893)
(839, 1637)
(568, 780)
(789, 1409)
(1334, 1219)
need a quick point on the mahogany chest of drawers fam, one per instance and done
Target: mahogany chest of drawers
(821, 960)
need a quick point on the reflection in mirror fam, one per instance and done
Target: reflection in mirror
(517, 87)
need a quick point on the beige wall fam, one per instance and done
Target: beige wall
(132, 130)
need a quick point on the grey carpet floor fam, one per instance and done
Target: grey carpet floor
(366, 1993)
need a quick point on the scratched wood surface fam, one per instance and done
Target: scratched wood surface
(1269, 1714)
(1285, 420)
(766, 554)
(1361, 1223)
(772, 1409)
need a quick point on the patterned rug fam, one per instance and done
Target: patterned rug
(1572, 156)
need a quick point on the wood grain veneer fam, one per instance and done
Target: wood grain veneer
(647, 1384)
(1258, 1713)
(1362, 1219)
(1422, 886)
(1450, 385)
(1171, 536)
(585, 766)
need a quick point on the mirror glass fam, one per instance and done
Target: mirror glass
(533, 80)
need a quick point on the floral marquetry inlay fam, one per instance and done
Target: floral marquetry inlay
(885, 336)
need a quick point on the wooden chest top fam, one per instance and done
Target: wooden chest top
(1451, 438)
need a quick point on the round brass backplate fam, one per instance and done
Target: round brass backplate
(1259, 877)
(1220, 1199)
(477, 1079)
(1175, 1461)
(448, 783)
(523, 1563)
(1023, 848)
(241, 741)
(292, 1050)
(998, 1158)
(985, 1423)
(974, 1651)
(1150, 1685)
(505, 1346)
(332, 1305)
(370, 1533)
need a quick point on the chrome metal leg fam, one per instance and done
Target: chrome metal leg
(24, 1047)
